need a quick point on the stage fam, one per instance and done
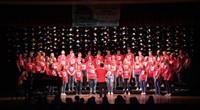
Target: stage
(158, 99)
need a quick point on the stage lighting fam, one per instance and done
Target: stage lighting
(70, 34)
(133, 33)
(140, 34)
(95, 34)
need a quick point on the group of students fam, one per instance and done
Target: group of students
(163, 68)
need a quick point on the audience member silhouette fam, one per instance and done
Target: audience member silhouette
(69, 101)
(82, 101)
(134, 101)
(77, 100)
(150, 101)
(91, 101)
(120, 100)
(105, 100)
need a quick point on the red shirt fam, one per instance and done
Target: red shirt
(48, 71)
(182, 56)
(29, 67)
(150, 58)
(167, 72)
(141, 58)
(137, 68)
(71, 70)
(108, 59)
(78, 75)
(151, 70)
(87, 57)
(187, 63)
(118, 58)
(143, 75)
(43, 65)
(78, 61)
(83, 66)
(62, 60)
(97, 62)
(131, 55)
(72, 61)
(156, 73)
(126, 74)
(88, 63)
(101, 73)
(119, 71)
(178, 66)
(20, 63)
(109, 73)
(37, 69)
(91, 73)
(64, 75)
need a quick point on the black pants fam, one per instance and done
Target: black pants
(102, 88)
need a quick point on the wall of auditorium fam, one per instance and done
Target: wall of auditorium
(137, 14)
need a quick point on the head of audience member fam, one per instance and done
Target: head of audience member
(69, 101)
(77, 99)
(105, 100)
(134, 101)
(120, 100)
(150, 101)
(82, 101)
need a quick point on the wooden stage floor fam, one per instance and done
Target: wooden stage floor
(161, 99)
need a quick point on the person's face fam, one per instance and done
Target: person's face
(108, 52)
(71, 51)
(52, 54)
(79, 55)
(164, 53)
(72, 54)
(139, 53)
(150, 53)
(89, 52)
(158, 52)
(99, 52)
(63, 53)
(118, 52)
(129, 50)
(29, 59)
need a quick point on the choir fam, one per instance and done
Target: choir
(78, 73)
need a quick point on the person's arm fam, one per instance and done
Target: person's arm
(18, 67)
(169, 76)
(133, 71)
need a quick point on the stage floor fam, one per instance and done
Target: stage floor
(161, 99)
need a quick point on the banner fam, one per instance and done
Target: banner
(95, 15)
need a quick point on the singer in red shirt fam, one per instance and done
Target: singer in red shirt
(143, 80)
(101, 75)
(78, 79)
